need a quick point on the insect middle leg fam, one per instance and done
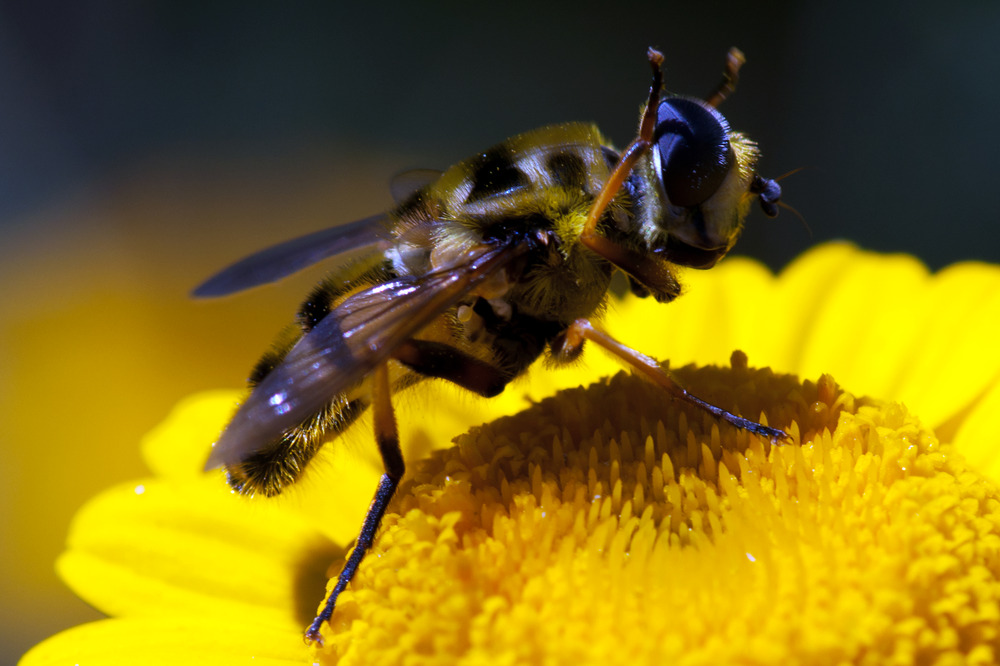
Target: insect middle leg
(387, 437)
(437, 359)
(572, 340)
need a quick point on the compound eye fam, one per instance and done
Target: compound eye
(693, 144)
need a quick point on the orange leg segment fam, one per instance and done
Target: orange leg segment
(582, 330)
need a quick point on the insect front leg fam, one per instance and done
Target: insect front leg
(387, 437)
(734, 61)
(570, 343)
(652, 272)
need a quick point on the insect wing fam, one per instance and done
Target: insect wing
(346, 345)
(407, 183)
(368, 235)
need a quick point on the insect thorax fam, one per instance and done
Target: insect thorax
(541, 183)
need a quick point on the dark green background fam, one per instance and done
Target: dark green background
(889, 107)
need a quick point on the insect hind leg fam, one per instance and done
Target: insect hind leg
(387, 437)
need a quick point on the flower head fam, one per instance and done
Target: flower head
(607, 523)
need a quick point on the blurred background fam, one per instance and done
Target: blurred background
(145, 144)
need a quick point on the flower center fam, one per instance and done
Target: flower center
(610, 524)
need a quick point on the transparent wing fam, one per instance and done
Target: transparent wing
(346, 345)
(405, 183)
(368, 235)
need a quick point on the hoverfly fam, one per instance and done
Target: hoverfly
(490, 264)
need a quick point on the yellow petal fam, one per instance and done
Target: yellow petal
(957, 357)
(977, 437)
(799, 298)
(744, 316)
(887, 328)
(706, 323)
(882, 324)
(171, 640)
(160, 548)
(178, 447)
(864, 330)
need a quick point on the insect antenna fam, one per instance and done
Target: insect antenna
(789, 173)
(790, 209)
(796, 213)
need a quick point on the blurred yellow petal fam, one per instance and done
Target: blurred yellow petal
(977, 437)
(800, 298)
(159, 548)
(178, 446)
(749, 320)
(958, 357)
(862, 330)
(890, 329)
(720, 310)
(171, 640)
(882, 324)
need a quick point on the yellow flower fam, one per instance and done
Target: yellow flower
(609, 524)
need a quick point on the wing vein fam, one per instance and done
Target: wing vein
(349, 343)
